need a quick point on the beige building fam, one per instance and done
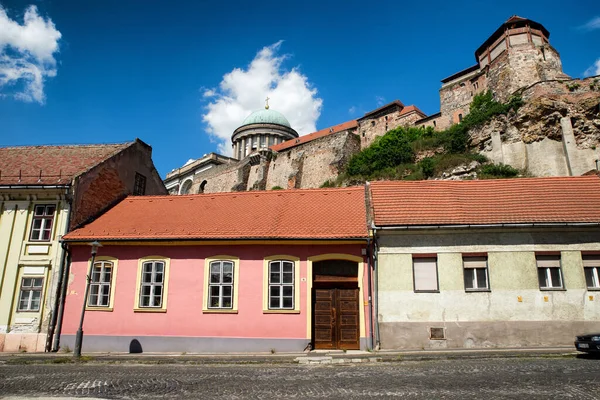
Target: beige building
(480, 264)
(46, 191)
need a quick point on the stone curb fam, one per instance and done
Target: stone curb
(283, 358)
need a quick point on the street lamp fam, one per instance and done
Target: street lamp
(79, 337)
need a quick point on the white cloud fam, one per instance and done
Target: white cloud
(380, 100)
(594, 69)
(27, 54)
(592, 24)
(352, 110)
(243, 90)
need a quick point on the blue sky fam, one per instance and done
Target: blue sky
(182, 75)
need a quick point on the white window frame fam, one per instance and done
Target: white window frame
(28, 291)
(547, 264)
(281, 285)
(153, 284)
(101, 283)
(420, 267)
(476, 264)
(592, 264)
(220, 284)
(45, 220)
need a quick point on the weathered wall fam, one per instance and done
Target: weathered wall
(513, 313)
(312, 164)
(26, 330)
(456, 97)
(112, 180)
(377, 125)
(307, 165)
(555, 133)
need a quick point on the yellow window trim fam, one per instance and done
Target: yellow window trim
(138, 286)
(113, 283)
(17, 290)
(236, 276)
(296, 261)
(334, 256)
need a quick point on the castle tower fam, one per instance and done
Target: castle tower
(260, 130)
(516, 55)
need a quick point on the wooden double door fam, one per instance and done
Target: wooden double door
(336, 318)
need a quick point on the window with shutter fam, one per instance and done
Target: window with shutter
(425, 274)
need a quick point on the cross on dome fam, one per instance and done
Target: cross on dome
(267, 101)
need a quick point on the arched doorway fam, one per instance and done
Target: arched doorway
(335, 305)
(186, 187)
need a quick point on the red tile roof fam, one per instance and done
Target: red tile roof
(409, 109)
(279, 214)
(315, 135)
(51, 165)
(482, 202)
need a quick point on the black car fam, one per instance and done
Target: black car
(588, 343)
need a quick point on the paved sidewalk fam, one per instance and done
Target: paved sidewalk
(319, 356)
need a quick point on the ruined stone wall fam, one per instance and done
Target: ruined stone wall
(313, 163)
(456, 97)
(556, 132)
(222, 178)
(409, 119)
(370, 128)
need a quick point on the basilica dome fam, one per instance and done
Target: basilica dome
(266, 116)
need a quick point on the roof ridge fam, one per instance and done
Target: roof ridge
(66, 145)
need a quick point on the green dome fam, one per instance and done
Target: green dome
(266, 116)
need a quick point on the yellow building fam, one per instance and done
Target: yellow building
(45, 191)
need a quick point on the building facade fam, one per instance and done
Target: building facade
(45, 191)
(506, 263)
(197, 277)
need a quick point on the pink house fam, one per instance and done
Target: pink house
(230, 272)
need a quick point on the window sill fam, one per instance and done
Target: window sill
(478, 290)
(427, 291)
(219, 311)
(150, 310)
(88, 308)
(593, 289)
(553, 289)
(281, 311)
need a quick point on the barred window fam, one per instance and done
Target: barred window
(139, 187)
(281, 285)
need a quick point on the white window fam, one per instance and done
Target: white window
(425, 274)
(41, 224)
(549, 273)
(591, 267)
(100, 284)
(476, 273)
(31, 294)
(220, 288)
(151, 290)
(281, 285)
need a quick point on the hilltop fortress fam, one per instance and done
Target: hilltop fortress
(556, 132)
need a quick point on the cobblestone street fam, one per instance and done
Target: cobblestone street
(501, 378)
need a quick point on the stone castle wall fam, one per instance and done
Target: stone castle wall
(307, 165)
(556, 132)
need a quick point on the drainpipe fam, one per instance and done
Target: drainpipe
(64, 280)
(375, 287)
(61, 290)
(370, 293)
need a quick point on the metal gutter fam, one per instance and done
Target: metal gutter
(35, 186)
(487, 226)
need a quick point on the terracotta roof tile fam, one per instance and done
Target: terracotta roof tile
(51, 165)
(315, 135)
(481, 202)
(409, 109)
(395, 103)
(280, 214)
